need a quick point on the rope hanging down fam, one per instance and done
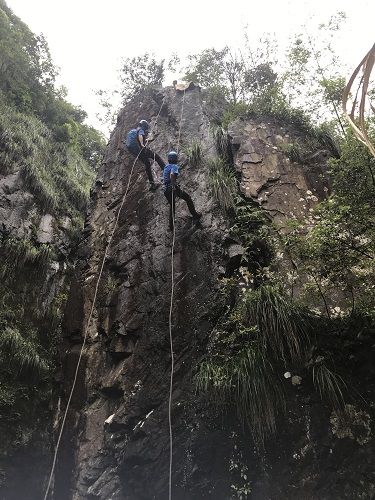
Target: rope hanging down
(88, 322)
(170, 324)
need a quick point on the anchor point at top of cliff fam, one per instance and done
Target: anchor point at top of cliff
(184, 86)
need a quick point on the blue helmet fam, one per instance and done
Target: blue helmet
(144, 124)
(173, 157)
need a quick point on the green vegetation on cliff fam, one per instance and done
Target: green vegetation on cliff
(48, 161)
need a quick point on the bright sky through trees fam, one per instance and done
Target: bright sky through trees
(88, 38)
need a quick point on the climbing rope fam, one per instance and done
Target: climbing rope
(88, 322)
(170, 321)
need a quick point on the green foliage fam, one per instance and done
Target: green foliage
(338, 251)
(222, 182)
(327, 137)
(260, 331)
(307, 82)
(138, 74)
(220, 69)
(194, 153)
(233, 111)
(237, 467)
(27, 71)
(293, 151)
(333, 89)
(260, 79)
(223, 145)
(230, 72)
(295, 77)
(22, 355)
(52, 155)
(91, 144)
(58, 176)
(253, 229)
(246, 379)
(111, 286)
(283, 325)
(28, 84)
(329, 385)
(21, 252)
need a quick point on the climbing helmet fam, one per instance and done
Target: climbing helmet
(172, 157)
(144, 124)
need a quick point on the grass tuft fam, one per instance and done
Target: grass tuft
(329, 385)
(194, 153)
(21, 355)
(247, 380)
(20, 252)
(261, 331)
(222, 182)
(223, 145)
(54, 173)
(283, 325)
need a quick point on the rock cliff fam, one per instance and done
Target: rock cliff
(36, 248)
(116, 439)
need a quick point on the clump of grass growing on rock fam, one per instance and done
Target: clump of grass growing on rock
(22, 251)
(256, 338)
(247, 380)
(55, 173)
(22, 354)
(194, 153)
(283, 325)
(222, 143)
(222, 182)
(329, 385)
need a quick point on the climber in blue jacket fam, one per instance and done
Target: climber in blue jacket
(136, 141)
(172, 189)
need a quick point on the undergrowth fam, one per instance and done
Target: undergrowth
(55, 174)
(222, 182)
(259, 335)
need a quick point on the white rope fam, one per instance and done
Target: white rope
(170, 324)
(87, 324)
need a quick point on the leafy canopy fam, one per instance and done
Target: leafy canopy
(139, 73)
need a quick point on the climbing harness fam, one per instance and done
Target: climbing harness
(88, 322)
(170, 324)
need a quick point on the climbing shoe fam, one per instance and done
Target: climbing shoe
(197, 216)
(154, 186)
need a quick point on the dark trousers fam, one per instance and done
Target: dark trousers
(171, 197)
(145, 155)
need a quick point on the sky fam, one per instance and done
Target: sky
(89, 38)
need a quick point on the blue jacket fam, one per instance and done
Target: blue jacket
(132, 141)
(171, 167)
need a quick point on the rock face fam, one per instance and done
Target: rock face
(31, 291)
(285, 189)
(133, 308)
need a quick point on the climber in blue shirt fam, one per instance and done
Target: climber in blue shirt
(136, 143)
(172, 189)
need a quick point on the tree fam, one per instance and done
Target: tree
(138, 74)
(219, 69)
(260, 79)
(27, 72)
(91, 144)
(340, 248)
(295, 77)
(311, 75)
